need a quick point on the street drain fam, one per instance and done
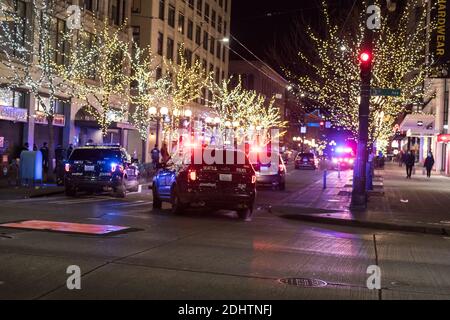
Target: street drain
(304, 282)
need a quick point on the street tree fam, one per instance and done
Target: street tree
(98, 72)
(326, 69)
(31, 48)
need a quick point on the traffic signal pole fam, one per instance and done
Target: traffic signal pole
(359, 195)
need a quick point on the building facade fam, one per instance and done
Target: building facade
(201, 26)
(21, 118)
(426, 128)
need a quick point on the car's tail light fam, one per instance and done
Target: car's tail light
(67, 167)
(192, 175)
(253, 179)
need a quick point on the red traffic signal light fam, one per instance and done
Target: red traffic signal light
(365, 57)
(322, 125)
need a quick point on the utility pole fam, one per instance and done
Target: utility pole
(359, 195)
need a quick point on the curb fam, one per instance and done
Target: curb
(44, 194)
(368, 224)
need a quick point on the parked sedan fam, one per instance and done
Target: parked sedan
(271, 174)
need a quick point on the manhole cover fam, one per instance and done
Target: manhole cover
(304, 282)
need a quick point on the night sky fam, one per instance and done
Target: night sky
(262, 24)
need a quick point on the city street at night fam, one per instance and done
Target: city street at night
(225, 159)
(205, 255)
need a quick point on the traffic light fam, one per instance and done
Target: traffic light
(322, 125)
(365, 59)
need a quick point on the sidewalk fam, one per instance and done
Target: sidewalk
(414, 205)
(12, 192)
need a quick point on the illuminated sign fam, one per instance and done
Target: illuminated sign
(13, 114)
(58, 119)
(439, 45)
(444, 138)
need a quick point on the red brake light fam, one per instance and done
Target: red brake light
(192, 175)
(67, 167)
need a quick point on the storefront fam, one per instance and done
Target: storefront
(13, 117)
(87, 130)
(41, 133)
(420, 134)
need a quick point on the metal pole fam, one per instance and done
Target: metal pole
(325, 179)
(359, 195)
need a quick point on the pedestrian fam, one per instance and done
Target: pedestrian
(410, 159)
(35, 148)
(429, 163)
(45, 157)
(165, 153)
(69, 151)
(155, 156)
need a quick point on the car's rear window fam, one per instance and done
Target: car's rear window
(95, 154)
(306, 155)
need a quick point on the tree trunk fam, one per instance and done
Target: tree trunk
(51, 149)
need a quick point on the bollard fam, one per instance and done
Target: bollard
(324, 179)
(369, 177)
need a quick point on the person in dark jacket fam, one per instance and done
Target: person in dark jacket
(429, 163)
(45, 157)
(410, 159)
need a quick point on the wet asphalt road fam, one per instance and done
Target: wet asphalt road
(210, 255)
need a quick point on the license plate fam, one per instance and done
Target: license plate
(264, 168)
(226, 177)
(89, 168)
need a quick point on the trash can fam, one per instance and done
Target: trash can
(30, 167)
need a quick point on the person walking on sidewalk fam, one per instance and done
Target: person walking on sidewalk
(410, 159)
(155, 157)
(429, 163)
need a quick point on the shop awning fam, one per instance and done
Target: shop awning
(418, 125)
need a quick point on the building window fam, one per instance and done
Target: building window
(198, 35)
(213, 19)
(170, 48)
(219, 24)
(180, 23)
(191, 4)
(179, 53)
(190, 30)
(158, 73)
(218, 50)
(205, 40)
(160, 43)
(221, 3)
(162, 9)
(199, 7)
(136, 35)
(115, 12)
(226, 5)
(88, 5)
(12, 98)
(206, 15)
(224, 51)
(188, 56)
(217, 75)
(136, 7)
(212, 47)
(171, 17)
